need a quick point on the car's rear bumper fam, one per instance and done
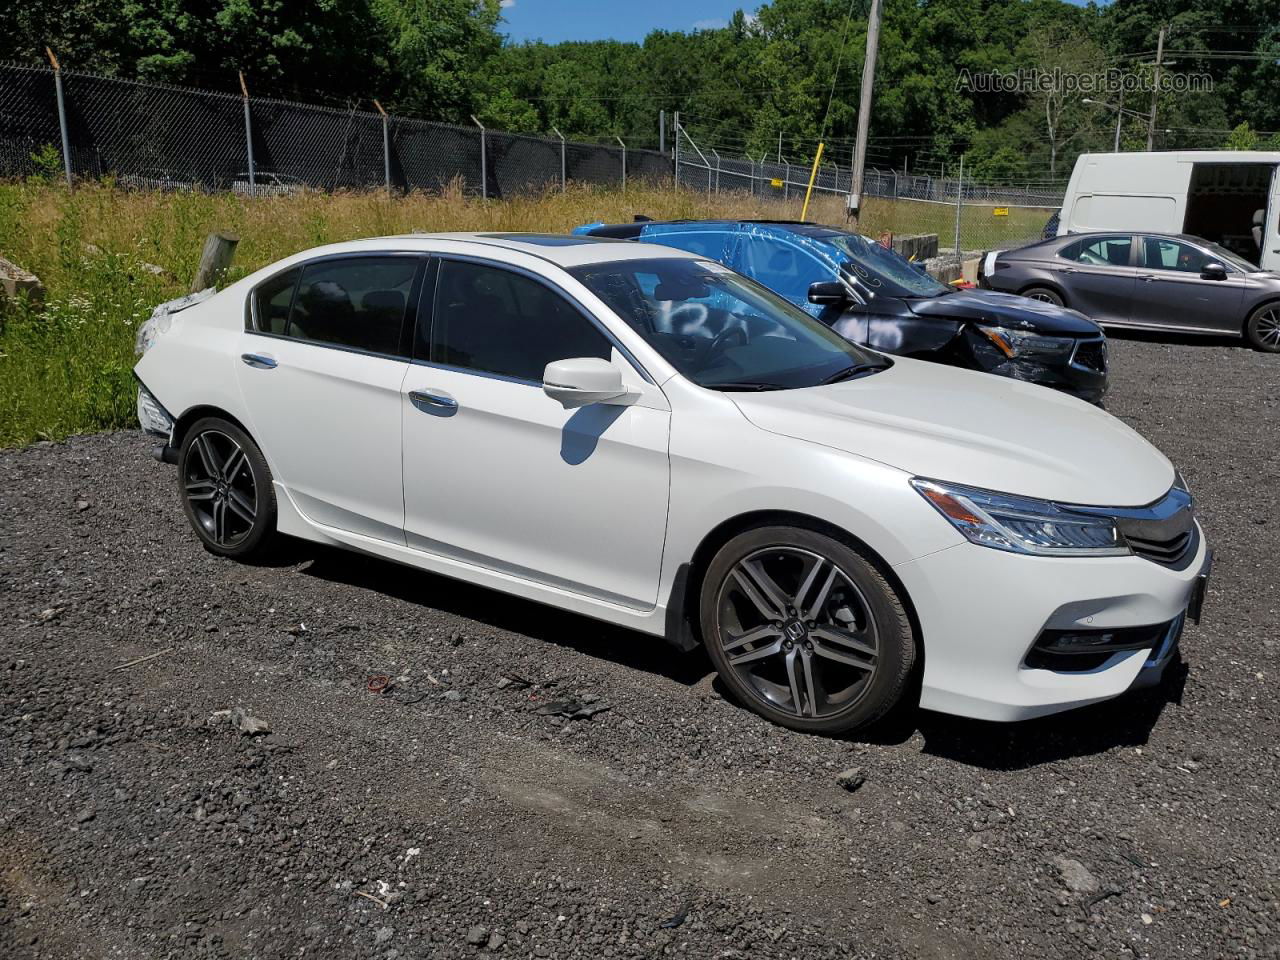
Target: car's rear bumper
(981, 612)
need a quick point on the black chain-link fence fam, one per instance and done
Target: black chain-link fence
(152, 136)
(965, 216)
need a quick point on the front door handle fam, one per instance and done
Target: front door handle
(1147, 278)
(259, 360)
(432, 402)
(1070, 270)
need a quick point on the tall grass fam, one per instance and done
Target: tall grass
(66, 368)
(106, 256)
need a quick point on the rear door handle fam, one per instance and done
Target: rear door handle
(1148, 277)
(259, 360)
(1070, 270)
(432, 402)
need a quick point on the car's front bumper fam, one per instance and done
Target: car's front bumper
(981, 610)
(1082, 372)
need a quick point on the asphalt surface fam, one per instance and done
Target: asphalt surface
(447, 817)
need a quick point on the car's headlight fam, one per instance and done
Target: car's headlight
(1023, 343)
(1022, 524)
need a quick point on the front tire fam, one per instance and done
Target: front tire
(804, 630)
(1262, 329)
(226, 490)
(1045, 295)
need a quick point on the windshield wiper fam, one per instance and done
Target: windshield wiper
(857, 369)
(754, 386)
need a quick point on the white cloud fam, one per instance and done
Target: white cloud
(713, 24)
(506, 4)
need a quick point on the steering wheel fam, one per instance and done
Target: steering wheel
(721, 340)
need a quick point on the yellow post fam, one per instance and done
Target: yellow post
(812, 177)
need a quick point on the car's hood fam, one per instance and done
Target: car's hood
(973, 428)
(1006, 310)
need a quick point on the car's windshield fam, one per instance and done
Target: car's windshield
(720, 329)
(883, 270)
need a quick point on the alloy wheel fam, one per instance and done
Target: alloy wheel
(218, 483)
(797, 631)
(1267, 328)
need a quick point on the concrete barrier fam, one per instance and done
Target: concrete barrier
(15, 281)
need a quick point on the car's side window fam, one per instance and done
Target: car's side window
(356, 302)
(783, 267)
(494, 320)
(271, 302)
(1104, 252)
(1161, 254)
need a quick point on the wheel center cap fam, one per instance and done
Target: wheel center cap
(794, 630)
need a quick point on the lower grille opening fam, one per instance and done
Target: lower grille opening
(1092, 355)
(1077, 651)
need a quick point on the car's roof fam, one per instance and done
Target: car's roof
(806, 227)
(1053, 243)
(564, 250)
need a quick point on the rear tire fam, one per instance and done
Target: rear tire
(226, 489)
(804, 630)
(1045, 295)
(1262, 329)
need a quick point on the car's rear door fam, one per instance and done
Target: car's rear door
(324, 354)
(1098, 275)
(498, 474)
(1173, 293)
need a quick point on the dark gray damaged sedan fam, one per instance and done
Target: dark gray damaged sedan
(1147, 281)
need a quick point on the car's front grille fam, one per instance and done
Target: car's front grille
(1091, 355)
(1163, 532)
(1167, 552)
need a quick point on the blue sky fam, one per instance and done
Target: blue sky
(555, 20)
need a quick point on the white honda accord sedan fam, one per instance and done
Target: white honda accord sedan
(645, 437)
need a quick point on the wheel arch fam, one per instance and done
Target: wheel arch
(1047, 285)
(1269, 300)
(198, 412)
(683, 629)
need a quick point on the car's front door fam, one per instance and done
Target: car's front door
(1098, 276)
(498, 474)
(324, 353)
(1172, 292)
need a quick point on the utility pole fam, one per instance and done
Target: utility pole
(854, 201)
(1119, 119)
(1155, 88)
(779, 146)
(662, 132)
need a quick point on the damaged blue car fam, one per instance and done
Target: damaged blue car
(874, 296)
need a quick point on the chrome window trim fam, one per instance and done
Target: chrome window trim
(251, 299)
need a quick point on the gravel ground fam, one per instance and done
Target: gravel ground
(446, 817)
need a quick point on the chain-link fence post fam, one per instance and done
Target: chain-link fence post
(959, 204)
(675, 132)
(62, 116)
(386, 147)
(786, 180)
(624, 162)
(248, 136)
(564, 183)
(717, 153)
(484, 166)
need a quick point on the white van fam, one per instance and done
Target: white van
(1228, 196)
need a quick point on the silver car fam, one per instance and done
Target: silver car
(1149, 281)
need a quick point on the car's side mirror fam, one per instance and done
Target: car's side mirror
(828, 291)
(1213, 271)
(584, 380)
